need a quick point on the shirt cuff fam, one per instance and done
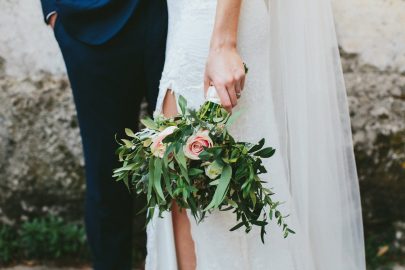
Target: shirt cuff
(49, 16)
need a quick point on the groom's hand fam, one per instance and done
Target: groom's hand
(52, 20)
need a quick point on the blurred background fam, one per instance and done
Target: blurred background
(41, 163)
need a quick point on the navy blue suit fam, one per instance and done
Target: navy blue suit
(114, 55)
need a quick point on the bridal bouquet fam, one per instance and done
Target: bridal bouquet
(191, 159)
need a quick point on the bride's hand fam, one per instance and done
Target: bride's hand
(225, 70)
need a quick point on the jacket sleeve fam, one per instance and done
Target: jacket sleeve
(48, 7)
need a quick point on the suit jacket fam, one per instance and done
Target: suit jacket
(91, 21)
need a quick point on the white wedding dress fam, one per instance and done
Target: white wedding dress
(190, 27)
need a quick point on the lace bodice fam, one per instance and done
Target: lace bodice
(190, 26)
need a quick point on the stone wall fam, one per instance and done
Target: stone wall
(26, 44)
(41, 164)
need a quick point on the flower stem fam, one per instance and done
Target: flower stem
(210, 110)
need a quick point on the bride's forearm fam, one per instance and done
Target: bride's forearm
(226, 24)
(224, 69)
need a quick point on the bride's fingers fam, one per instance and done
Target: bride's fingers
(242, 83)
(232, 93)
(239, 82)
(207, 84)
(224, 97)
(238, 89)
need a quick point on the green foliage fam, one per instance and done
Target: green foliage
(39, 239)
(374, 245)
(51, 238)
(8, 244)
(382, 175)
(224, 176)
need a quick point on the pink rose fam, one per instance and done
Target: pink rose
(196, 143)
(158, 148)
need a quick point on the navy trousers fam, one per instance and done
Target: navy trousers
(109, 82)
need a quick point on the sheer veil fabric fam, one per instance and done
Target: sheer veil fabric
(295, 98)
(315, 133)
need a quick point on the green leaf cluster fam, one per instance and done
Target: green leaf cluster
(176, 178)
(49, 238)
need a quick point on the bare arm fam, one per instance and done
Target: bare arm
(224, 68)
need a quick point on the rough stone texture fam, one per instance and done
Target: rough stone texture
(45, 268)
(371, 29)
(376, 100)
(26, 44)
(374, 30)
(22, 267)
(377, 106)
(41, 165)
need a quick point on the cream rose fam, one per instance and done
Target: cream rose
(158, 148)
(213, 170)
(195, 144)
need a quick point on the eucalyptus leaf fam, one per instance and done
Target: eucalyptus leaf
(126, 182)
(181, 160)
(221, 188)
(127, 143)
(214, 183)
(265, 152)
(258, 146)
(291, 231)
(237, 226)
(262, 233)
(165, 171)
(253, 198)
(205, 155)
(182, 104)
(130, 133)
(157, 175)
(195, 171)
(149, 123)
(150, 178)
(128, 167)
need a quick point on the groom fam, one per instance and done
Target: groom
(114, 55)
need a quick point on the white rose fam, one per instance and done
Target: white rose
(158, 148)
(213, 170)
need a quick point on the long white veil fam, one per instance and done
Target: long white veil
(310, 99)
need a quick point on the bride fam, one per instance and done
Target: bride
(293, 96)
